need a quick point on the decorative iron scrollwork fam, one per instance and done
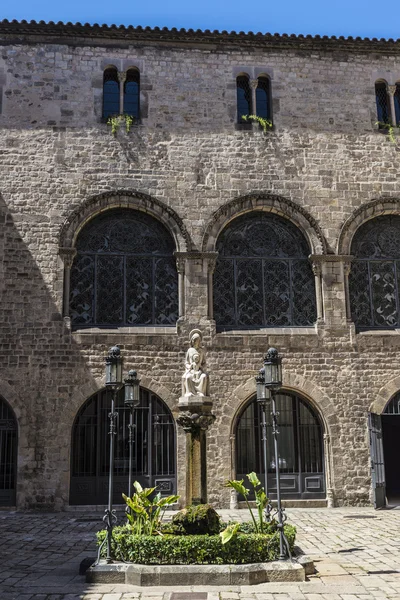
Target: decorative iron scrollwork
(263, 277)
(124, 272)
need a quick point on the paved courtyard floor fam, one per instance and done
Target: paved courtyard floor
(356, 553)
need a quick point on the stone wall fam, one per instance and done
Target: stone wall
(188, 164)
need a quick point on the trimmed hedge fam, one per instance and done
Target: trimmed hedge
(195, 549)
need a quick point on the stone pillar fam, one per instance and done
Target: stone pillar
(254, 85)
(195, 283)
(212, 261)
(121, 79)
(328, 468)
(195, 419)
(180, 267)
(67, 256)
(316, 267)
(391, 92)
(334, 291)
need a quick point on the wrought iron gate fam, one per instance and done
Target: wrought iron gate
(8, 455)
(153, 449)
(301, 458)
(377, 460)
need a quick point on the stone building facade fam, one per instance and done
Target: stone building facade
(188, 164)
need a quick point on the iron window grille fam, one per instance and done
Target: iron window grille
(132, 93)
(374, 278)
(263, 277)
(244, 100)
(263, 105)
(111, 93)
(8, 455)
(397, 104)
(124, 273)
(382, 104)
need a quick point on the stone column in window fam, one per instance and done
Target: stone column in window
(180, 267)
(212, 261)
(316, 267)
(391, 92)
(346, 273)
(67, 256)
(254, 86)
(328, 467)
(121, 79)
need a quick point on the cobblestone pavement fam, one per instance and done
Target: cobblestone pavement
(356, 552)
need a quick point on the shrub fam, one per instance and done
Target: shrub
(198, 520)
(195, 549)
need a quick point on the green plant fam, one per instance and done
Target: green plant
(195, 549)
(390, 129)
(265, 124)
(198, 520)
(115, 121)
(261, 498)
(145, 512)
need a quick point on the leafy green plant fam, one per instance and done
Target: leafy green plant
(115, 122)
(390, 129)
(265, 124)
(195, 549)
(145, 512)
(261, 498)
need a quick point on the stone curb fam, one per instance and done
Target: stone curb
(188, 575)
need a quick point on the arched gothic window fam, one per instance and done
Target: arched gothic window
(132, 93)
(382, 103)
(243, 92)
(110, 92)
(375, 274)
(263, 105)
(301, 459)
(263, 277)
(124, 272)
(8, 454)
(153, 448)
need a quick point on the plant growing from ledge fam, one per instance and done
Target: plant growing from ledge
(390, 129)
(265, 124)
(116, 121)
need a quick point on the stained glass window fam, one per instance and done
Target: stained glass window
(375, 274)
(124, 272)
(263, 277)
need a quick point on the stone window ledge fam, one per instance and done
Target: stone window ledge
(271, 331)
(379, 332)
(150, 330)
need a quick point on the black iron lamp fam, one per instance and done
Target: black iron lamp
(132, 389)
(114, 368)
(132, 400)
(268, 383)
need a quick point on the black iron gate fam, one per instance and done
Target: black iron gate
(377, 460)
(153, 448)
(8, 455)
(301, 457)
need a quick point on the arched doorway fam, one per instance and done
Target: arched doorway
(8, 454)
(301, 456)
(154, 461)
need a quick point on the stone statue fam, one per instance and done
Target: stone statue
(195, 379)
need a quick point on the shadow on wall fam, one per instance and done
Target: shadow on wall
(41, 368)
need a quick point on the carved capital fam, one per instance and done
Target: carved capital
(254, 84)
(194, 422)
(121, 76)
(212, 262)
(67, 256)
(316, 267)
(392, 89)
(180, 264)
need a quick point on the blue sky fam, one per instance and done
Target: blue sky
(365, 18)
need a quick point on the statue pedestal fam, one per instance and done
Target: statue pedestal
(196, 418)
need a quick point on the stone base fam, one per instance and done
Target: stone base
(177, 575)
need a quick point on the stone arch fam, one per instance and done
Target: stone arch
(125, 199)
(384, 395)
(362, 214)
(319, 401)
(10, 396)
(268, 203)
